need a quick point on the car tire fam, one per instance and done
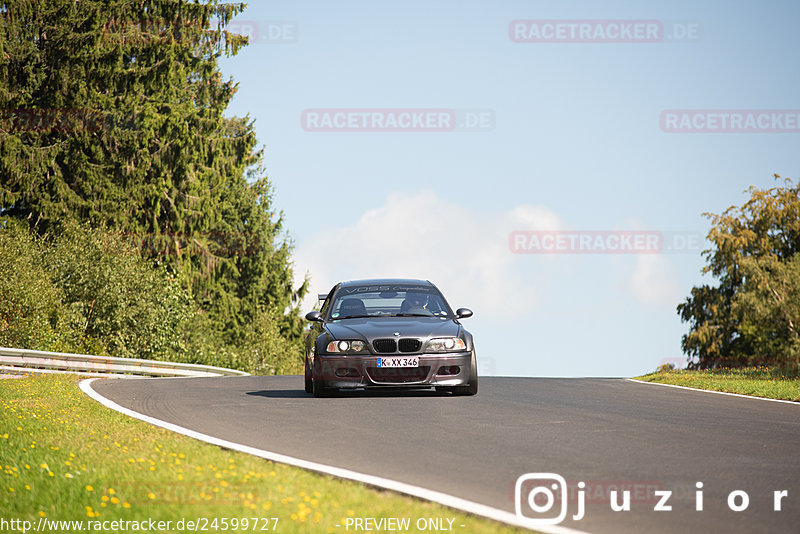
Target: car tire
(471, 388)
(309, 382)
(321, 391)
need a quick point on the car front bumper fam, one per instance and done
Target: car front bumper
(362, 371)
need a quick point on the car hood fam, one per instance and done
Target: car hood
(374, 328)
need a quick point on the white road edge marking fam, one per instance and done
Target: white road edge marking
(717, 392)
(371, 480)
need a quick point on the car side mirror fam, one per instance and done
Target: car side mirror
(314, 316)
(462, 313)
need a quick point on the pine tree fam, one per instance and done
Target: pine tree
(113, 116)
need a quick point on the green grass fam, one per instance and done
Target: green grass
(66, 457)
(756, 381)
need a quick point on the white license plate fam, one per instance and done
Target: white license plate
(410, 361)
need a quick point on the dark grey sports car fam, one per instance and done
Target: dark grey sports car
(391, 333)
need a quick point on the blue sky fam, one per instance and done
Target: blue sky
(574, 144)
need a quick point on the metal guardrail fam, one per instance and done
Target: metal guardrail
(22, 361)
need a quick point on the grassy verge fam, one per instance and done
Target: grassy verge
(65, 457)
(756, 381)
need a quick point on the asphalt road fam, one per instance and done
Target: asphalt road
(608, 433)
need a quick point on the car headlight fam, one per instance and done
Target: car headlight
(344, 346)
(446, 344)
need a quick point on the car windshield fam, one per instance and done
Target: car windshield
(388, 301)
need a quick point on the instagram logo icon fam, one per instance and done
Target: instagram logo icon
(541, 499)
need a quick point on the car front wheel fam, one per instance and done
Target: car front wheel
(320, 390)
(308, 380)
(472, 387)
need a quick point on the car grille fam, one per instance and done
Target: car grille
(409, 345)
(385, 346)
(398, 374)
(388, 346)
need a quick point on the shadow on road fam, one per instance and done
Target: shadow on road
(371, 393)
(281, 393)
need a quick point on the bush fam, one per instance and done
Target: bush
(135, 309)
(91, 291)
(32, 311)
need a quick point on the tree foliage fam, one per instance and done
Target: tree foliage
(89, 291)
(86, 291)
(113, 116)
(32, 314)
(752, 317)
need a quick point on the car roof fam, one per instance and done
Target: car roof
(386, 281)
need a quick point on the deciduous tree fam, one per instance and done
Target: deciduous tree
(752, 317)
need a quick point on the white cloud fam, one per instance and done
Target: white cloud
(654, 282)
(420, 235)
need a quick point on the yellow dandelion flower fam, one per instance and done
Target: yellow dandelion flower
(42, 514)
(126, 505)
(89, 488)
(114, 500)
(151, 495)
